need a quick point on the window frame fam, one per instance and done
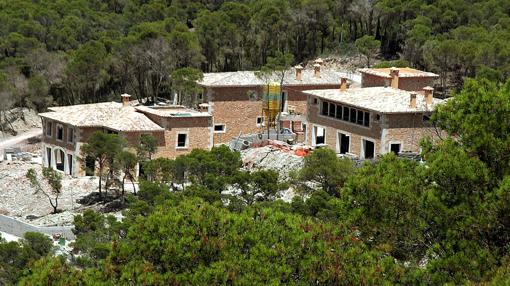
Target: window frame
(57, 132)
(50, 129)
(363, 151)
(346, 113)
(224, 129)
(395, 143)
(186, 141)
(261, 121)
(70, 134)
(324, 108)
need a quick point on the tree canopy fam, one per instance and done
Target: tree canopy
(80, 51)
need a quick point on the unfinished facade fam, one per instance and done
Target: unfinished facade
(235, 99)
(67, 128)
(400, 78)
(367, 122)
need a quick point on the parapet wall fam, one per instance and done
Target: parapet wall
(19, 228)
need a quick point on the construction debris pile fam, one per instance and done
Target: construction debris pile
(19, 199)
(274, 155)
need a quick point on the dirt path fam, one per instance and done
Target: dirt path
(19, 138)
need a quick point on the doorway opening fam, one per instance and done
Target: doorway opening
(344, 141)
(319, 135)
(60, 158)
(368, 149)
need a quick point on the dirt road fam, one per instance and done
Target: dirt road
(13, 141)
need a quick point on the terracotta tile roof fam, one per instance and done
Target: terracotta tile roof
(249, 78)
(402, 72)
(378, 99)
(111, 115)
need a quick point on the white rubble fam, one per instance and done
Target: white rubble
(272, 158)
(19, 199)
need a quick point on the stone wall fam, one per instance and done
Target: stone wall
(197, 129)
(408, 130)
(415, 83)
(405, 83)
(53, 138)
(333, 127)
(233, 107)
(19, 228)
(370, 80)
(405, 129)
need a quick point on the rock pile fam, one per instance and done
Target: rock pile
(272, 158)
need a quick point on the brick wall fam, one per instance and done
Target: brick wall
(232, 106)
(370, 80)
(198, 130)
(405, 129)
(404, 83)
(334, 126)
(408, 130)
(298, 99)
(52, 140)
(415, 83)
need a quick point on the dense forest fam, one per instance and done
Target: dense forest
(80, 51)
(445, 221)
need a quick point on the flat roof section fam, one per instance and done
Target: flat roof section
(171, 111)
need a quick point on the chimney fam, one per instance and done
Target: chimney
(343, 84)
(299, 69)
(317, 70)
(125, 99)
(394, 77)
(429, 95)
(319, 61)
(412, 101)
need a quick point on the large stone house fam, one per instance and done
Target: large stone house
(65, 129)
(367, 122)
(324, 107)
(234, 99)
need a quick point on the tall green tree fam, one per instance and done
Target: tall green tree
(103, 148)
(479, 117)
(368, 46)
(185, 82)
(127, 163)
(326, 169)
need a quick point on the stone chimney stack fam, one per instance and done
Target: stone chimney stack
(125, 99)
(317, 70)
(412, 100)
(319, 61)
(343, 84)
(394, 77)
(299, 69)
(429, 95)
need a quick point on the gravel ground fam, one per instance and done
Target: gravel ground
(19, 199)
